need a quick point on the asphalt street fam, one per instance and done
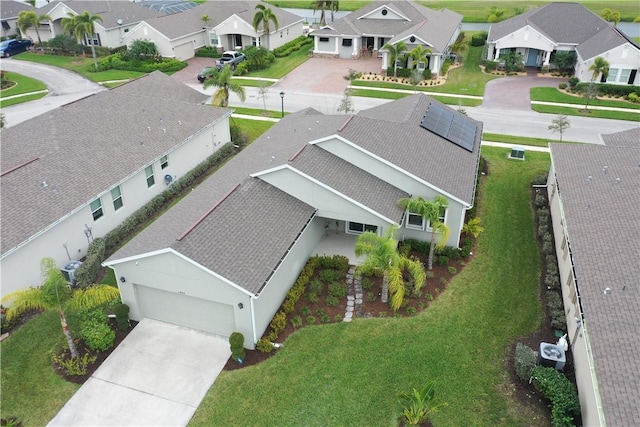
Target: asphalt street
(66, 87)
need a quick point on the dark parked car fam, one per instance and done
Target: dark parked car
(13, 47)
(201, 75)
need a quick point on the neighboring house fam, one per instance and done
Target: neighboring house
(368, 29)
(9, 11)
(224, 257)
(593, 193)
(118, 17)
(230, 27)
(76, 172)
(538, 33)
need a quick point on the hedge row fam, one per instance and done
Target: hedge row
(208, 52)
(292, 46)
(605, 89)
(88, 273)
(562, 394)
(116, 62)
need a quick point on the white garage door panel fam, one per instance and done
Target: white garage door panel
(184, 51)
(186, 311)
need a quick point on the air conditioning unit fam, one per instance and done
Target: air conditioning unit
(552, 356)
(69, 270)
(517, 153)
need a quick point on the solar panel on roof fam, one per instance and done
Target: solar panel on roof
(456, 128)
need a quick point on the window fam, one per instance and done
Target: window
(358, 228)
(421, 66)
(624, 76)
(164, 162)
(213, 38)
(442, 218)
(280, 34)
(148, 171)
(412, 39)
(116, 196)
(347, 42)
(96, 209)
(612, 77)
(324, 39)
(254, 41)
(414, 221)
(384, 12)
(5, 25)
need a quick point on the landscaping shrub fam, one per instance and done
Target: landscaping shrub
(605, 89)
(556, 310)
(329, 276)
(122, 316)
(258, 58)
(560, 392)
(62, 44)
(292, 46)
(97, 335)
(288, 306)
(236, 343)
(142, 50)
(279, 322)
(562, 86)
(241, 69)
(332, 301)
(264, 345)
(338, 290)
(74, 367)
(325, 319)
(443, 260)
(296, 321)
(208, 52)
(118, 61)
(426, 74)
(418, 245)
(634, 97)
(540, 179)
(479, 39)
(445, 66)
(490, 66)
(367, 283)
(525, 361)
(312, 298)
(311, 320)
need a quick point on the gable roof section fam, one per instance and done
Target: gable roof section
(105, 137)
(180, 24)
(10, 9)
(110, 11)
(260, 224)
(603, 41)
(604, 244)
(438, 29)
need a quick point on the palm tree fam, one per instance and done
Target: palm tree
(610, 15)
(82, 26)
(496, 13)
(264, 16)
(396, 51)
(205, 19)
(222, 80)
(599, 67)
(56, 295)
(28, 19)
(430, 211)
(321, 5)
(334, 6)
(419, 54)
(382, 254)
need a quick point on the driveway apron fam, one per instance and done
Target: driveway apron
(157, 376)
(512, 93)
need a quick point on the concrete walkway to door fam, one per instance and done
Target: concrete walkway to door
(157, 376)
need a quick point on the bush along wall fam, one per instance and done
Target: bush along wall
(292, 46)
(102, 247)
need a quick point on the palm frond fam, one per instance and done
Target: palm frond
(93, 296)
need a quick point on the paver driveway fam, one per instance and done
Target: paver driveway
(157, 376)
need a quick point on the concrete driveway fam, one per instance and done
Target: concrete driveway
(157, 376)
(513, 93)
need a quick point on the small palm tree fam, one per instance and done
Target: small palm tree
(205, 19)
(82, 26)
(599, 67)
(55, 295)
(28, 19)
(496, 13)
(473, 227)
(396, 51)
(610, 15)
(222, 80)
(382, 254)
(419, 54)
(430, 211)
(419, 405)
(264, 16)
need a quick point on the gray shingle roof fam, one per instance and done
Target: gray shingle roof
(260, 224)
(104, 136)
(179, 24)
(10, 9)
(351, 181)
(434, 26)
(277, 146)
(604, 239)
(110, 11)
(604, 40)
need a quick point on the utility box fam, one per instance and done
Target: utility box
(517, 153)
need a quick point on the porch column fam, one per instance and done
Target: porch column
(547, 56)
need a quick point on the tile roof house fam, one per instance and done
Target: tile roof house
(224, 257)
(540, 32)
(368, 29)
(118, 17)
(9, 11)
(593, 194)
(78, 171)
(230, 27)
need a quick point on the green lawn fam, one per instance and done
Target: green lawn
(478, 10)
(24, 85)
(466, 80)
(259, 112)
(550, 94)
(349, 374)
(251, 82)
(21, 99)
(601, 114)
(283, 66)
(253, 128)
(31, 390)
(521, 140)
(79, 65)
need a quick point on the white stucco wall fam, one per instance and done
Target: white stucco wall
(21, 268)
(144, 31)
(284, 35)
(626, 56)
(577, 332)
(326, 48)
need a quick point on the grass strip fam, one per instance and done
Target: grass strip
(550, 94)
(23, 84)
(252, 83)
(522, 140)
(600, 114)
(21, 99)
(259, 112)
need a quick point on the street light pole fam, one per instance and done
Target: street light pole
(282, 99)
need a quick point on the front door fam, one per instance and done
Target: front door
(532, 58)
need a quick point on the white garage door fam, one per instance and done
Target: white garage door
(184, 51)
(186, 311)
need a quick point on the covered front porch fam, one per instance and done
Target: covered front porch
(336, 242)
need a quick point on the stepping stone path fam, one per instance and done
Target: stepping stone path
(354, 295)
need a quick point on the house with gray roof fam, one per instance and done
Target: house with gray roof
(9, 11)
(229, 27)
(118, 17)
(368, 29)
(223, 258)
(593, 193)
(555, 27)
(76, 172)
